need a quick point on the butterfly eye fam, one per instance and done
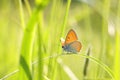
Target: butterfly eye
(62, 46)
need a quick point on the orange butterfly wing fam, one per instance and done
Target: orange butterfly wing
(76, 45)
(71, 37)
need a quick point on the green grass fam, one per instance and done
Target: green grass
(117, 46)
(30, 33)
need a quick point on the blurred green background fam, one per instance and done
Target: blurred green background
(96, 23)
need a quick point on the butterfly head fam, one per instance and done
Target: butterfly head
(62, 42)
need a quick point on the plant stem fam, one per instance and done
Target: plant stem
(25, 69)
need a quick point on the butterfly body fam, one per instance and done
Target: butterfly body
(71, 44)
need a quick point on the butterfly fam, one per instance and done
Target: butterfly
(71, 44)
